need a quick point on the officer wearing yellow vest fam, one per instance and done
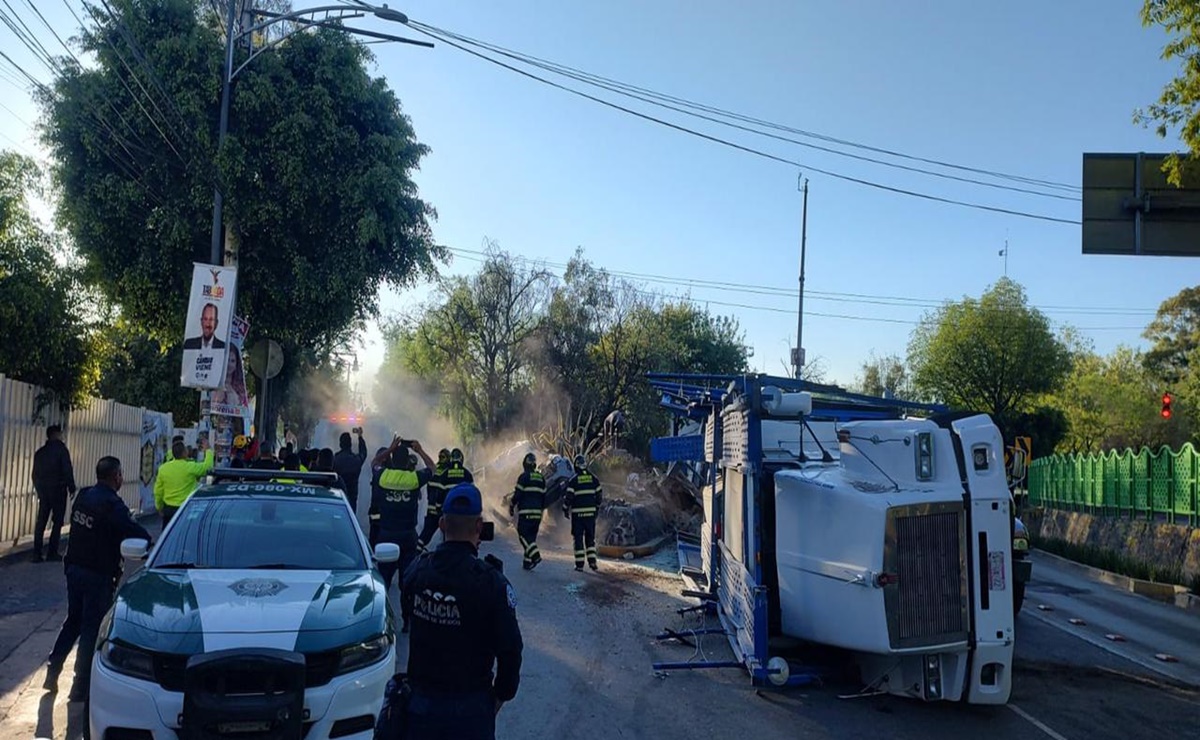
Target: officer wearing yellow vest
(178, 478)
(582, 503)
(527, 503)
(400, 483)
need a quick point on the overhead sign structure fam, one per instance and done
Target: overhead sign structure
(206, 335)
(232, 399)
(1130, 208)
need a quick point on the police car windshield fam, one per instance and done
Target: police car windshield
(250, 532)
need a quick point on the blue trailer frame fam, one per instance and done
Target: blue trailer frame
(733, 583)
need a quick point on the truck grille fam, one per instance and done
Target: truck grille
(925, 550)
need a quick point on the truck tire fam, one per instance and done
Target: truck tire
(1018, 597)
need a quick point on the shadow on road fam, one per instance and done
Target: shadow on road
(45, 716)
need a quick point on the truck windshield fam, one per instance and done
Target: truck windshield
(262, 533)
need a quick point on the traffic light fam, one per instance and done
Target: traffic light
(1166, 406)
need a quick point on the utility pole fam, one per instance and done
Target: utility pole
(798, 354)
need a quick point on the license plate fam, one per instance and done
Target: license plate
(237, 728)
(996, 568)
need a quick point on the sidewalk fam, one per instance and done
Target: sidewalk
(33, 604)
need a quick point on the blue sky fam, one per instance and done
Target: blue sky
(1021, 87)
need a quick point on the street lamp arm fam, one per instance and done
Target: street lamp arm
(295, 15)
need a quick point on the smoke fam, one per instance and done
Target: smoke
(405, 405)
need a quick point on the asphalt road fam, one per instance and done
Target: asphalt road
(590, 645)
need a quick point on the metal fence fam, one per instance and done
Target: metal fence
(1148, 484)
(100, 428)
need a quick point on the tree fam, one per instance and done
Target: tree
(1178, 107)
(1175, 336)
(138, 370)
(316, 174)
(475, 341)
(884, 374)
(46, 339)
(995, 354)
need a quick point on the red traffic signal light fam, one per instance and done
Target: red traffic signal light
(1166, 406)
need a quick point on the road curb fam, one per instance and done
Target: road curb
(1167, 593)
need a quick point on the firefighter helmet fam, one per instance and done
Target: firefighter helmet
(580, 462)
(456, 456)
(530, 462)
(443, 456)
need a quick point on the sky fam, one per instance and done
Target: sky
(1021, 87)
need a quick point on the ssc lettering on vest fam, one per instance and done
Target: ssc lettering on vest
(398, 497)
(437, 608)
(83, 520)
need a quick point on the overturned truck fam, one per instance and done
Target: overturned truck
(840, 519)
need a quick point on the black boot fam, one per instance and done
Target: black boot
(52, 672)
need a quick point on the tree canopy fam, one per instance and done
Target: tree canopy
(47, 341)
(514, 347)
(994, 354)
(316, 173)
(1178, 106)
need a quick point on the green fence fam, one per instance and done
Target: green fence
(1158, 485)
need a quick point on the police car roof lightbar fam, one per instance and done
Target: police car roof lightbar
(227, 475)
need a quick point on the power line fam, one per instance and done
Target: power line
(899, 301)
(657, 99)
(470, 255)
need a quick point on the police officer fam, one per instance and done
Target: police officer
(400, 483)
(464, 621)
(528, 501)
(348, 465)
(433, 502)
(582, 502)
(99, 521)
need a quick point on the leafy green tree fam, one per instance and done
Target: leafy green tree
(1175, 336)
(475, 342)
(994, 354)
(884, 374)
(1178, 107)
(46, 339)
(138, 370)
(316, 174)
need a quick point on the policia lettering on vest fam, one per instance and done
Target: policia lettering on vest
(464, 658)
(581, 504)
(527, 503)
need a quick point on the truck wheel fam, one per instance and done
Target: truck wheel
(1018, 597)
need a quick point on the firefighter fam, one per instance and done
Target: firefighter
(400, 483)
(373, 515)
(435, 493)
(528, 501)
(581, 504)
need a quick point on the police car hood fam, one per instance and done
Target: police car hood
(202, 610)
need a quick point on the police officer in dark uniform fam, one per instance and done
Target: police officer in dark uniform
(400, 483)
(99, 521)
(527, 503)
(464, 621)
(582, 503)
(433, 501)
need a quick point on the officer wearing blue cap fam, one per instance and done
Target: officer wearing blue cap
(464, 621)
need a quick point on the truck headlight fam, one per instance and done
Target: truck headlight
(363, 654)
(924, 456)
(127, 660)
(1020, 544)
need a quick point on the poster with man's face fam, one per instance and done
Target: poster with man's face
(206, 335)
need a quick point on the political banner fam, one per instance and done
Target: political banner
(232, 399)
(206, 335)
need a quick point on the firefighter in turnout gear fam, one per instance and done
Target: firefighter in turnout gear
(453, 474)
(582, 503)
(528, 501)
(436, 493)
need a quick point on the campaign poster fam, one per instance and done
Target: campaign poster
(232, 399)
(209, 318)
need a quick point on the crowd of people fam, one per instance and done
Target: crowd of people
(449, 689)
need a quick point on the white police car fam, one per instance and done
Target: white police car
(259, 610)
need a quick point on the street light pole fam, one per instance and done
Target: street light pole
(215, 256)
(798, 357)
